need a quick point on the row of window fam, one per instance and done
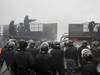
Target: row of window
(36, 27)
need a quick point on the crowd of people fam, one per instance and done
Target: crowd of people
(50, 57)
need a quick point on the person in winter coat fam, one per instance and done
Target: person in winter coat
(43, 60)
(23, 61)
(90, 68)
(57, 59)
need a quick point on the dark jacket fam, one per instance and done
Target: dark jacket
(23, 60)
(33, 51)
(90, 69)
(58, 59)
(71, 53)
(43, 62)
(8, 56)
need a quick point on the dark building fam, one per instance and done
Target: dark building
(81, 32)
(38, 31)
(43, 31)
(76, 29)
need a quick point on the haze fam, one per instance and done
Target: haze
(48, 11)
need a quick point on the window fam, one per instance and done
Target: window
(85, 28)
(37, 27)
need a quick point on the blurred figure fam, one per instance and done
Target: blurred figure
(84, 46)
(32, 48)
(66, 44)
(34, 52)
(12, 29)
(50, 46)
(21, 29)
(7, 52)
(23, 61)
(91, 26)
(31, 44)
(43, 60)
(71, 58)
(95, 48)
(57, 59)
(90, 68)
(7, 55)
(26, 23)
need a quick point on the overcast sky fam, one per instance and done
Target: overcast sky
(61, 11)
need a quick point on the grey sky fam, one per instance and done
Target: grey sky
(61, 11)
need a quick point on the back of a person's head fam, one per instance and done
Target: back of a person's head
(95, 44)
(66, 43)
(56, 45)
(70, 43)
(31, 43)
(86, 54)
(84, 43)
(9, 45)
(23, 44)
(44, 48)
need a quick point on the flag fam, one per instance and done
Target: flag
(0, 50)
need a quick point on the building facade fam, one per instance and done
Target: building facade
(81, 31)
(4, 32)
(43, 31)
